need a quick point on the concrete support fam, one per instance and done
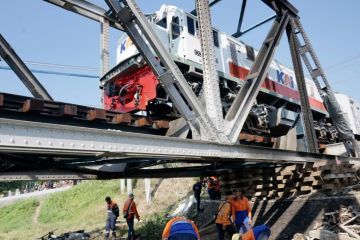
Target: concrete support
(147, 184)
(129, 185)
(122, 185)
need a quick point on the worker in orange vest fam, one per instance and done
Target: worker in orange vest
(261, 232)
(223, 217)
(180, 228)
(213, 186)
(113, 214)
(241, 212)
(130, 212)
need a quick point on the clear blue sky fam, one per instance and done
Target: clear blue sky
(41, 32)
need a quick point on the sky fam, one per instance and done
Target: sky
(43, 33)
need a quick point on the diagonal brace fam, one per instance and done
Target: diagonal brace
(170, 76)
(240, 108)
(306, 113)
(22, 71)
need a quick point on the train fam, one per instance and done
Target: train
(132, 87)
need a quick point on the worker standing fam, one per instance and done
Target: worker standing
(211, 186)
(241, 212)
(223, 217)
(217, 188)
(130, 212)
(180, 228)
(197, 192)
(112, 215)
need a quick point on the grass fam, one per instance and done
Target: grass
(83, 207)
(84, 200)
(16, 216)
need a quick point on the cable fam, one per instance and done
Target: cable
(61, 66)
(335, 67)
(56, 73)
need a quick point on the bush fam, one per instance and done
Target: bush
(153, 228)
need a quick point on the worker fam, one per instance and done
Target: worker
(223, 217)
(197, 192)
(217, 188)
(261, 232)
(213, 186)
(112, 215)
(241, 212)
(130, 212)
(180, 228)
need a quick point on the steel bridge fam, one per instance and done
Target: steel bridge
(44, 139)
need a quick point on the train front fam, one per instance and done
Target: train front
(131, 84)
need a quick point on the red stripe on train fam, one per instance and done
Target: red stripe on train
(241, 73)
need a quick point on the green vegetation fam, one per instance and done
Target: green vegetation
(153, 227)
(6, 186)
(85, 200)
(17, 215)
(83, 207)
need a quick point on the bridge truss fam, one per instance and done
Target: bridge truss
(44, 139)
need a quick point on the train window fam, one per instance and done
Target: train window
(175, 28)
(250, 53)
(191, 25)
(216, 38)
(162, 23)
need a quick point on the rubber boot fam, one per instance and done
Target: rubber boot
(107, 236)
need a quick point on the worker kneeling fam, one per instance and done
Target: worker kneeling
(180, 228)
(261, 232)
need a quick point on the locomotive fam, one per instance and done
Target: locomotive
(131, 86)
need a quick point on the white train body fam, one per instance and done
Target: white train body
(178, 31)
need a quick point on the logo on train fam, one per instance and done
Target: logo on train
(125, 44)
(285, 79)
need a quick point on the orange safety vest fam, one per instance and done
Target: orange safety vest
(169, 224)
(111, 205)
(224, 213)
(132, 209)
(240, 205)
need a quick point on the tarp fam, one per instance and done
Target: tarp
(337, 115)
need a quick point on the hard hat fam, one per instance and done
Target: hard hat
(236, 236)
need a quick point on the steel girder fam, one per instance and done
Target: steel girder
(306, 113)
(42, 139)
(199, 171)
(22, 71)
(87, 9)
(44, 175)
(210, 76)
